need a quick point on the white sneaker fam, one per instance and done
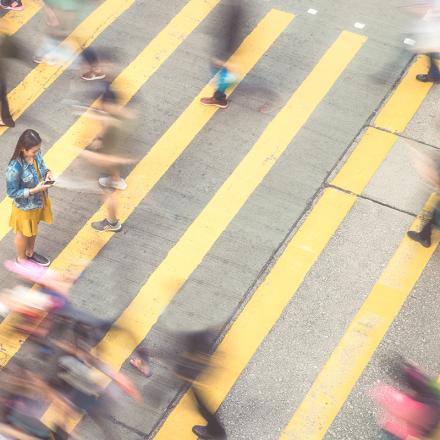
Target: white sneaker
(108, 182)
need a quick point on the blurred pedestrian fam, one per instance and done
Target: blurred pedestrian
(426, 32)
(411, 412)
(110, 147)
(62, 17)
(8, 49)
(427, 165)
(194, 359)
(226, 38)
(27, 183)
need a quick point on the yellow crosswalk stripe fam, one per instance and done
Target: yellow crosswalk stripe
(189, 251)
(42, 76)
(354, 350)
(399, 109)
(11, 22)
(87, 243)
(60, 155)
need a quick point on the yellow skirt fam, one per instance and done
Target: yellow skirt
(26, 222)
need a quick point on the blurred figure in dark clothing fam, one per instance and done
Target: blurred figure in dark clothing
(427, 165)
(8, 49)
(227, 36)
(194, 359)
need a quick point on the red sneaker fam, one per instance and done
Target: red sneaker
(221, 103)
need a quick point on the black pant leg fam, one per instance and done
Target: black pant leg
(5, 113)
(433, 72)
(214, 427)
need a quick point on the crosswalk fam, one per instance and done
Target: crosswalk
(255, 312)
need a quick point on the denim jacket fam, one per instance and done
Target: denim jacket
(20, 178)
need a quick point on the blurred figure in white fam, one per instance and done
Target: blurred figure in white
(426, 31)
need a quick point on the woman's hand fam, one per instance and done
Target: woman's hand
(39, 188)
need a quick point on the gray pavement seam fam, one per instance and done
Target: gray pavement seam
(400, 135)
(117, 422)
(360, 196)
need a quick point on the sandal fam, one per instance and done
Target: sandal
(141, 366)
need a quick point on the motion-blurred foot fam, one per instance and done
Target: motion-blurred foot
(7, 122)
(108, 182)
(141, 366)
(106, 225)
(92, 76)
(221, 103)
(427, 78)
(203, 432)
(423, 239)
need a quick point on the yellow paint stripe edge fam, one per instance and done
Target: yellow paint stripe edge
(354, 350)
(263, 309)
(42, 76)
(376, 143)
(142, 179)
(410, 93)
(368, 154)
(79, 134)
(87, 242)
(12, 21)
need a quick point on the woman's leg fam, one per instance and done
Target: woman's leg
(30, 245)
(21, 245)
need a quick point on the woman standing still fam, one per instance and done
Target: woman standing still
(25, 182)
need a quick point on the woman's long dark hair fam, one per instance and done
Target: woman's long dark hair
(28, 139)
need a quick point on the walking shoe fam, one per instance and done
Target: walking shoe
(91, 76)
(39, 259)
(14, 5)
(221, 103)
(427, 78)
(108, 182)
(105, 225)
(39, 59)
(423, 237)
(203, 432)
(417, 236)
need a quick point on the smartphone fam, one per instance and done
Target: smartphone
(49, 182)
